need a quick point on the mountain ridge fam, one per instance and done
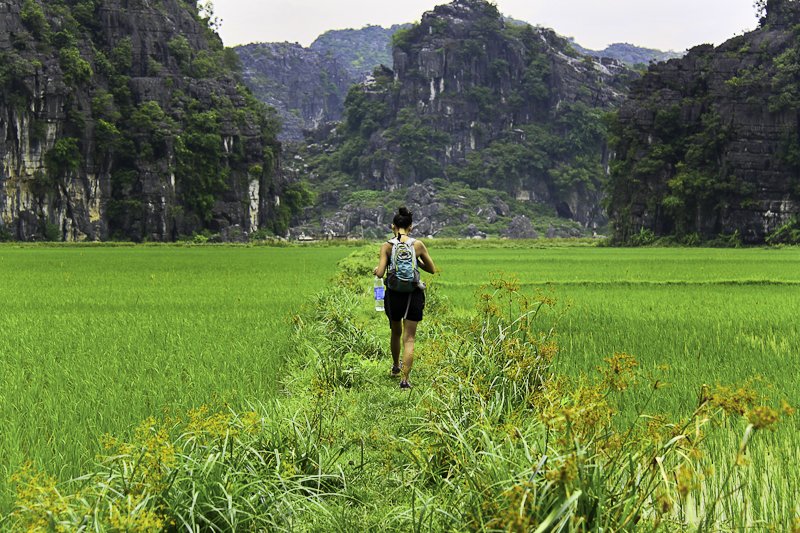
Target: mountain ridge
(473, 100)
(304, 98)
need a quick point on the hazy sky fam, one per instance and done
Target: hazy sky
(667, 25)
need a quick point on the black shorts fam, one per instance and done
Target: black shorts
(400, 305)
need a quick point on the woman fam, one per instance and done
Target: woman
(404, 309)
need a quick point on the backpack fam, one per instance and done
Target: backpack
(403, 273)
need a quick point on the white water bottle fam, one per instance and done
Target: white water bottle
(380, 291)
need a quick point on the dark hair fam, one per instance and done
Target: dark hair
(402, 219)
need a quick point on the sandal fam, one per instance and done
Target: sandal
(395, 370)
(405, 384)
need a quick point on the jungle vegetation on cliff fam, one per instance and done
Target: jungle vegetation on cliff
(128, 120)
(709, 145)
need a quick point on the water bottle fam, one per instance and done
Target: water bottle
(379, 293)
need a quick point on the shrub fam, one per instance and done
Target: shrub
(51, 232)
(180, 48)
(788, 233)
(76, 69)
(34, 19)
(205, 65)
(122, 56)
(643, 238)
(63, 158)
(402, 38)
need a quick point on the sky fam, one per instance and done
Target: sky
(667, 25)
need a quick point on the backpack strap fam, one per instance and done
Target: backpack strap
(393, 254)
(411, 241)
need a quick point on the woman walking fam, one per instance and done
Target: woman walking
(405, 296)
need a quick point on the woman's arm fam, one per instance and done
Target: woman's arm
(424, 258)
(383, 260)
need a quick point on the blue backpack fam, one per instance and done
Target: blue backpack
(403, 273)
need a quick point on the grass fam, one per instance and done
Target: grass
(94, 340)
(508, 427)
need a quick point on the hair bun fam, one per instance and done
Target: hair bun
(403, 211)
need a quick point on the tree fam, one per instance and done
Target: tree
(761, 9)
(206, 12)
(201, 170)
(773, 10)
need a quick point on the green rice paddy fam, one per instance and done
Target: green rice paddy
(94, 340)
(713, 316)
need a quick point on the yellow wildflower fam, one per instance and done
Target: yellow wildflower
(762, 417)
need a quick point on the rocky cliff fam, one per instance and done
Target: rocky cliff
(125, 119)
(710, 144)
(306, 87)
(495, 105)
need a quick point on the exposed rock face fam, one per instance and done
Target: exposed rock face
(451, 52)
(306, 87)
(473, 232)
(121, 118)
(494, 105)
(355, 220)
(710, 144)
(439, 210)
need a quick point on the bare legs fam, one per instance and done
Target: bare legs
(404, 335)
(409, 335)
(397, 340)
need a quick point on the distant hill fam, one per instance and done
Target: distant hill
(128, 120)
(709, 145)
(629, 54)
(358, 51)
(306, 87)
(471, 99)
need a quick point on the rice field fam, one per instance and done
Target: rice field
(95, 340)
(711, 315)
(691, 317)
